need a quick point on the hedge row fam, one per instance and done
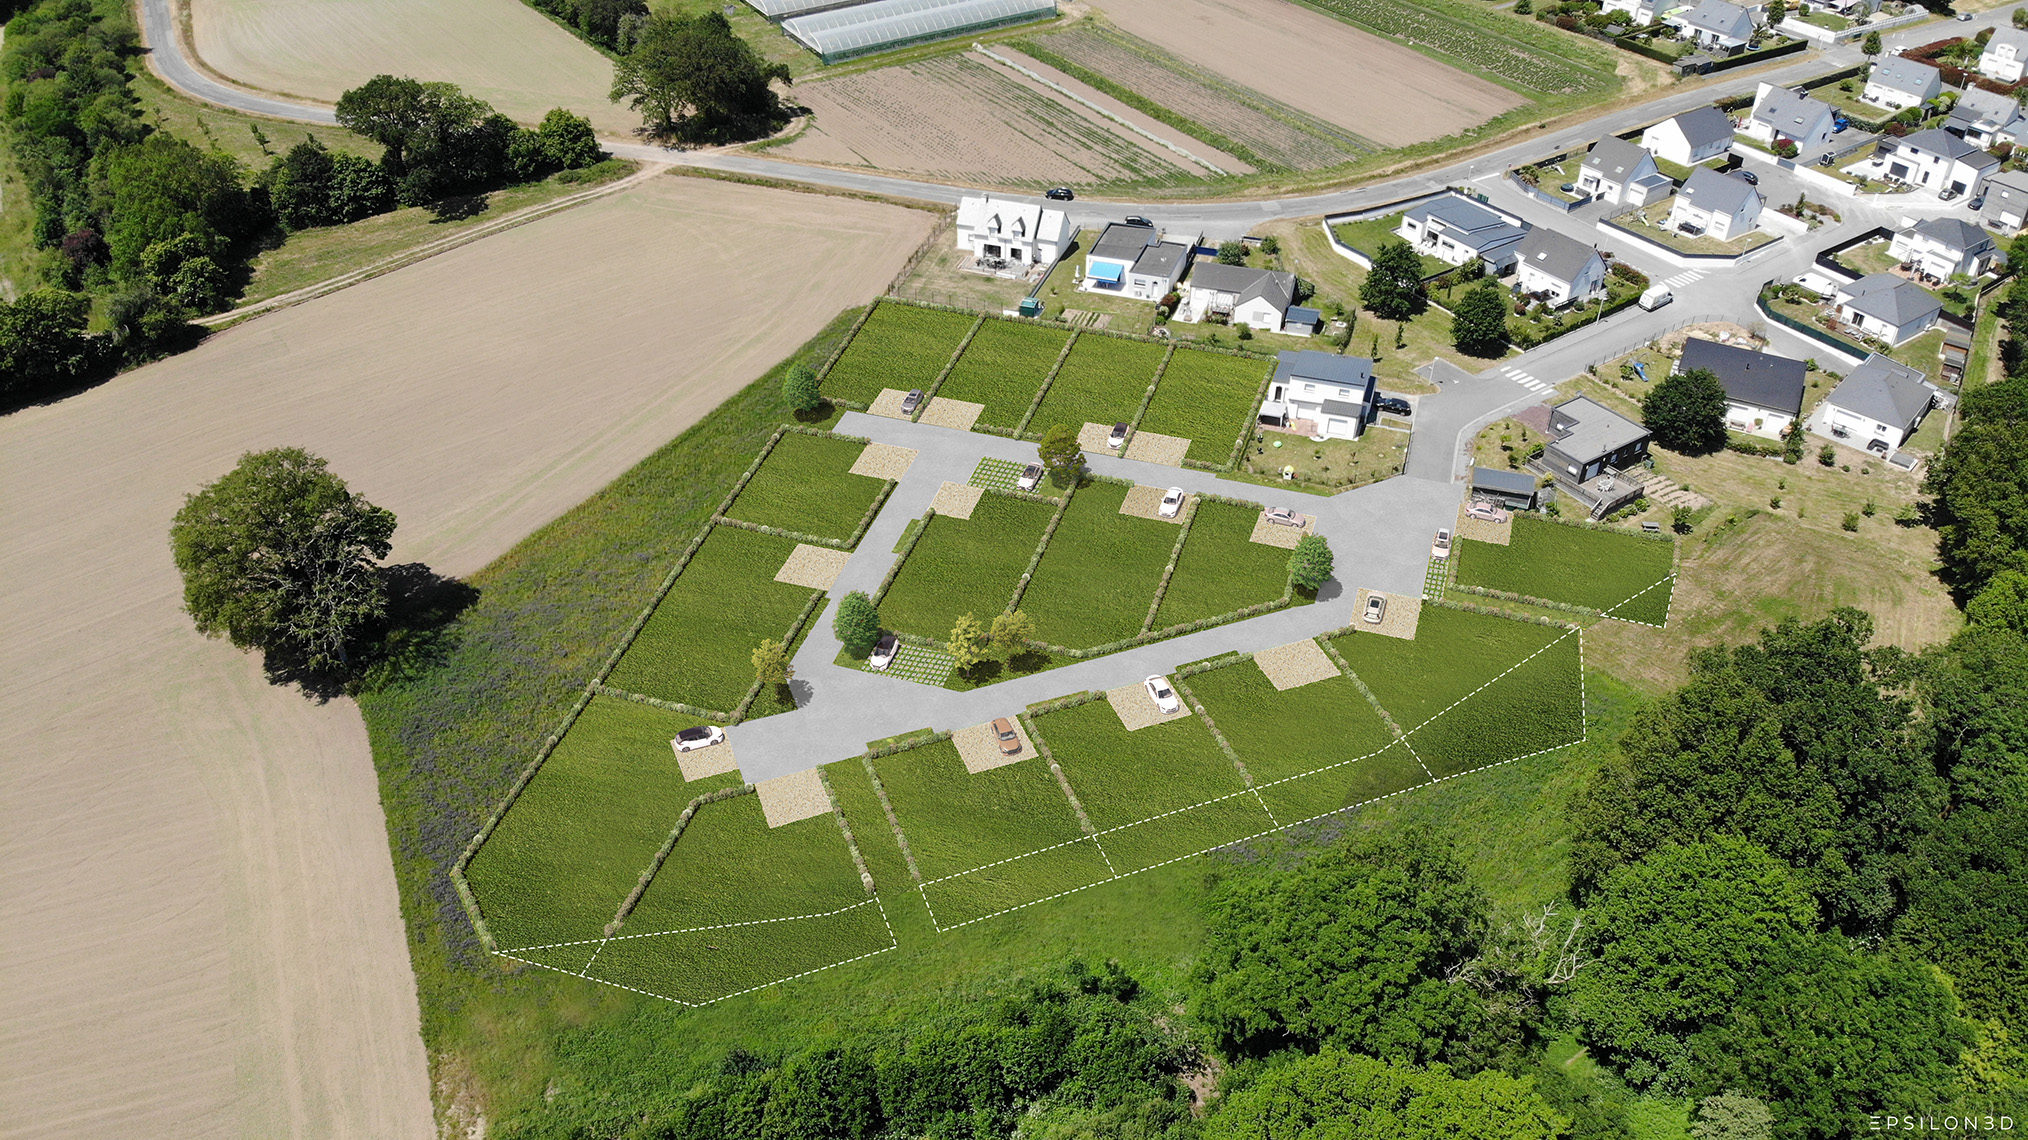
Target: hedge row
(661, 856)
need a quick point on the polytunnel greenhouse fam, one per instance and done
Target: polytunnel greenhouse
(840, 33)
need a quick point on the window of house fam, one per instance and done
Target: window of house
(1344, 393)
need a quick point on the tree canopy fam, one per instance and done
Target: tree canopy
(1479, 324)
(1980, 484)
(1310, 562)
(1393, 287)
(1335, 1095)
(693, 80)
(1686, 411)
(857, 623)
(1060, 453)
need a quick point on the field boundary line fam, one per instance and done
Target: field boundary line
(1426, 722)
(930, 393)
(1667, 581)
(1217, 734)
(1148, 397)
(1074, 96)
(999, 862)
(696, 929)
(1386, 718)
(893, 821)
(1049, 380)
(1169, 571)
(668, 847)
(1041, 548)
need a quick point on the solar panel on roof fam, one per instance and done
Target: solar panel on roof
(879, 24)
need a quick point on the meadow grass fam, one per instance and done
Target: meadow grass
(698, 646)
(1205, 397)
(705, 965)
(964, 566)
(956, 821)
(1454, 652)
(730, 866)
(1538, 705)
(1281, 734)
(806, 485)
(1221, 568)
(1308, 796)
(1122, 777)
(1580, 566)
(899, 346)
(1017, 882)
(1149, 843)
(1002, 368)
(1102, 381)
(1095, 581)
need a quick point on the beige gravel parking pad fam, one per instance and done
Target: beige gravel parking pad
(799, 795)
(1286, 537)
(956, 500)
(1399, 620)
(958, 415)
(1146, 503)
(1479, 530)
(1296, 664)
(1137, 710)
(888, 404)
(814, 567)
(979, 747)
(1149, 447)
(884, 461)
(1092, 437)
(698, 763)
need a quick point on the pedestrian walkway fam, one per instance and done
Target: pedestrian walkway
(1524, 379)
(1684, 278)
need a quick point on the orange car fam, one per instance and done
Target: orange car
(1010, 741)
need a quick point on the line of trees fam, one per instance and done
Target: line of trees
(694, 81)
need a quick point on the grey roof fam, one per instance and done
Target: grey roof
(2008, 36)
(1707, 189)
(1468, 223)
(1721, 18)
(1506, 482)
(1980, 107)
(1886, 297)
(1163, 260)
(1563, 258)
(1123, 242)
(1888, 391)
(1341, 408)
(1936, 140)
(1616, 158)
(1788, 112)
(1298, 314)
(1753, 378)
(1588, 429)
(2006, 185)
(1957, 234)
(1324, 368)
(1704, 126)
(1246, 283)
(1899, 73)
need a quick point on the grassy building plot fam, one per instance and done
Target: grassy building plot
(899, 346)
(1616, 572)
(962, 566)
(698, 646)
(701, 966)
(1453, 654)
(1283, 734)
(730, 866)
(1340, 786)
(1002, 369)
(957, 821)
(563, 858)
(1206, 397)
(806, 485)
(1095, 581)
(1103, 381)
(1221, 569)
(1538, 705)
(1031, 878)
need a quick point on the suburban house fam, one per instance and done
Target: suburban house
(1020, 233)
(1616, 171)
(1937, 160)
(1690, 138)
(1135, 261)
(2005, 56)
(1514, 490)
(1899, 83)
(1984, 118)
(1716, 204)
(1641, 12)
(1333, 392)
(1456, 229)
(1714, 25)
(1240, 294)
(1940, 247)
(1779, 113)
(1763, 393)
(1560, 269)
(1886, 306)
(1589, 445)
(1877, 407)
(2006, 207)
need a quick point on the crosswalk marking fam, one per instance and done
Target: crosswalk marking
(1682, 279)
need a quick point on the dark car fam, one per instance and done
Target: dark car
(1747, 176)
(1394, 405)
(1138, 220)
(1118, 436)
(1950, 194)
(911, 402)
(1978, 203)
(1060, 194)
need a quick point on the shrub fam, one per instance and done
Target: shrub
(858, 622)
(1851, 521)
(1310, 562)
(1828, 456)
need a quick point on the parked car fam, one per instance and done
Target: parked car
(1163, 696)
(1838, 125)
(1138, 220)
(1376, 608)
(1441, 547)
(911, 402)
(1485, 512)
(1031, 477)
(1964, 17)
(1172, 502)
(1060, 194)
(1747, 176)
(883, 651)
(1825, 160)
(1118, 437)
(1284, 516)
(1949, 194)
(1976, 204)
(1394, 405)
(1010, 741)
(704, 736)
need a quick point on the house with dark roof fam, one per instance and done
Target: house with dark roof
(1618, 172)
(1135, 261)
(1763, 392)
(1333, 393)
(1716, 26)
(1936, 160)
(1780, 114)
(1588, 448)
(1941, 247)
(1899, 83)
(1715, 204)
(1691, 137)
(1238, 294)
(1984, 118)
(1558, 269)
(1882, 305)
(1877, 407)
(2005, 56)
(1456, 229)
(1515, 490)
(2006, 205)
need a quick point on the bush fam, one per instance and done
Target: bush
(858, 622)
(1828, 456)
(1310, 562)
(1851, 521)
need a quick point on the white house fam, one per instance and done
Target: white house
(1690, 138)
(1984, 118)
(1136, 262)
(1640, 12)
(1457, 229)
(1779, 113)
(1877, 407)
(1898, 83)
(1936, 160)
(1763, 392)
(1716, 204)
(1333, 392)
(2005, 56)
(1243, 295)
(1023, 233)
(1889, 307)
(2006, 207)
(1559, 268)
(1618, 172)
(1715, 26)
(1941, 247)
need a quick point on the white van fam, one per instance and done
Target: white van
(1656, 297)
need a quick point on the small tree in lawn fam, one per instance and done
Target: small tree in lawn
(1232, 253)
(858, 623)
(968, 642)
(1393, 288)
(1687, 412)
(1479, 325)
(1011, 631)
(799, 388)
(1870, 45)
(1061, 454)
(771, 663)
(1777, 10)
(1310, 562)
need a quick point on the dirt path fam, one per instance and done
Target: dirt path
(202, 934)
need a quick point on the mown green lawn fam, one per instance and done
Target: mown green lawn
(1305, 797)
(899, 346)
(1123, 777)
(1454, 652)
(1221, 568)
(957, 820)
(1536, 706)
(962, 566)
(706, 965)
(1098, 577)
(1207, 398)
(806, 485)
(1003, 368)
(730, 866)
(1283, 734)
(1580, 566)
(1102, 381)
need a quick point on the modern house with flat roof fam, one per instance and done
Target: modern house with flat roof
(1589, 446)
(1332, 392)
(1763, 392)
(1457, 229)
(1877, 407)
(1515, 490)
(1691, 137)
(1136, 262)
(1882, 305)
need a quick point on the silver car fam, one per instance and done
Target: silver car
(883, 651)
(1284, 516)
(1376, 608)
(1031, 476)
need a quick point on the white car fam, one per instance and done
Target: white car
(703, 736)
(883, 651)
(1172, 501)
(1163, 696)
(1030, 476)
(1441, 546)
(1376, 608)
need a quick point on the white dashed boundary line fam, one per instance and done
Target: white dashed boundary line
(690, 929)
(1666, 581)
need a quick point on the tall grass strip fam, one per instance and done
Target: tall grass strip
(1169, 571)
(845, 829)
(901, 553)
(1034, 560)
(1345, 667)
(893, 821)
(1043, 392)
(930, 392)
(662, 855)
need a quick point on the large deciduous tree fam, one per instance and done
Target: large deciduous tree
(1060, 453)
(1980, 484)
(43, 343)
(1393, 287)
(1336, 1095)
(1310, 562)
(1479, 324)
(857, 623)
(693, 80)
(1686, 412)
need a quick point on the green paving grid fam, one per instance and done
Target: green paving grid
(995, 474)
(921, 665)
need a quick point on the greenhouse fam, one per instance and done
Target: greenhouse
(779, 10)
(883, 24)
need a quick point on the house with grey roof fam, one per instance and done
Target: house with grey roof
(1899, 83)
(1877, 407)
(1135, 261)
(1589, 445)
(2006, 206)
(1716, 26)
(1882, 305)
(1691, 137)
(1941, 247)
(1515, 490)
(1984, 118)
(1238, 294)
(1936, 160)
(1558, 269)
(1333, 393)
(1456, 229)
(1618, 172)
(1780, 114)
(1763, 392)
(1717, 205)
(2005, 56)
